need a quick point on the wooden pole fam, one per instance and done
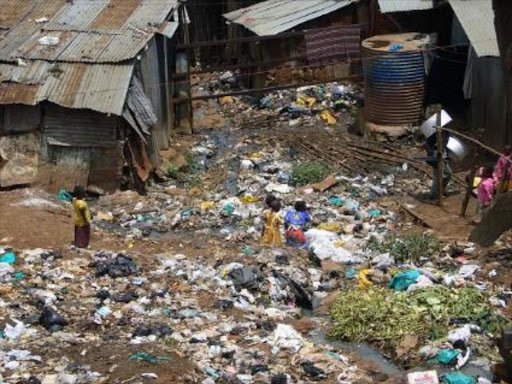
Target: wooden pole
(469, 188)
(472, 174)
(440, 159)
(190, 52)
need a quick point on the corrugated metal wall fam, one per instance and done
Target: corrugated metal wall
(17, 118)
(79, 128)
(489, 101)
(106, 167)
(79, 147)
(153, 79)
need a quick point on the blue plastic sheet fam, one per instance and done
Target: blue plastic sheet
(402, 280)
(447, 356)
(458, 378)
(8, 258)
(336, 200)
(63, 195)
(350, 273)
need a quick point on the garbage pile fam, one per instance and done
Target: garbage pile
(310, 105)
(425, 305)
(240, 332)
(228, 309)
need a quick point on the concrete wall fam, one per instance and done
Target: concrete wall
(19, 144)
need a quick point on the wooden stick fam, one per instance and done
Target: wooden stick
(469, 188)
(440, 160)
(415, 215)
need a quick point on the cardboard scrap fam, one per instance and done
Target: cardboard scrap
(427, 377)
(324, 185)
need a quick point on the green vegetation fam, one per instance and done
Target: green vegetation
(188, 174)
(310, 172)
(384, 317)
(406, 248)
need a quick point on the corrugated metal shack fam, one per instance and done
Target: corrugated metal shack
(85, 90)
(484, 82)
(303, 40)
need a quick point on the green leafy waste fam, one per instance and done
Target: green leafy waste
(409, 247)
(310, 172)
(381, 316)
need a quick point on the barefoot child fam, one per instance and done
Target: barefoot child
(273, 222)
(81, 218)
(294, 222)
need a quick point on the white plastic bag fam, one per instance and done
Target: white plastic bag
(286, 337)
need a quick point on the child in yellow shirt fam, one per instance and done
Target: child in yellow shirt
(273, 223)
(81, 218)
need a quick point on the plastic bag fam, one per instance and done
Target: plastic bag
(447, 356)
(458, 378)
(363, 280)
(8, 258)
(322, 243)
(402, 280)
(17, 331)
(52, 320)
(286, 337)
(64, 195)
(248, 278)
(328, 118)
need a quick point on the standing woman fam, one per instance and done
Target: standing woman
(81, 218)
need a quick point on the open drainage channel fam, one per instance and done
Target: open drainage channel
(371, 354)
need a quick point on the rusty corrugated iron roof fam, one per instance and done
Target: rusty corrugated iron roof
(12, 11)
(99, 31)
(90, 63)
(477, 19)
(275, 16)
(99, 87)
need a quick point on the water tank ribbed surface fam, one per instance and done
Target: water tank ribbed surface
(394, 81)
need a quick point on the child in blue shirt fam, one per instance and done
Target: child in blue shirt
(294, 223)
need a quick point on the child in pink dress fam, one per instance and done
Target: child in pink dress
(503, 171)
(485, 191)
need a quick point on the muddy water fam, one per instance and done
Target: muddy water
(372, 355)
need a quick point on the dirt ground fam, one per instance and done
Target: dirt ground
(51, 227)
(444, 220)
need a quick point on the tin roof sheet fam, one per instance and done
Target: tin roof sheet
(35, 72)
(477, 19)
(169, 28)
(388, 6)
(100, 31)
(275, 16)
(98, 87)
(12, 11)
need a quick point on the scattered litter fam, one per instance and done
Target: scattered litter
(52, 320)
(8, 258)
(402, 280)
(143, 356)
(427, 377)
(447, 356)
(458, 378)
(285, 337)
